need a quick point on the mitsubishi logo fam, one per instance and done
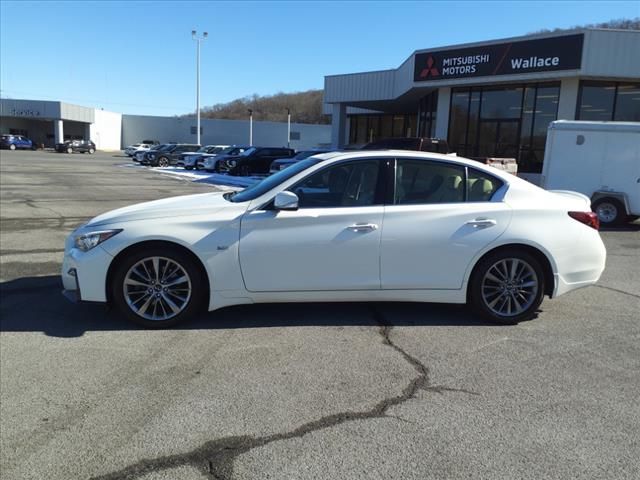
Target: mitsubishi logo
(431, 69)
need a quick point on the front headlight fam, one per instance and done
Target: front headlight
(87, 241)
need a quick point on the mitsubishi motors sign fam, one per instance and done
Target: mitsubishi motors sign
(546, 54)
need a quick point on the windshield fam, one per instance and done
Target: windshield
(248, 151)
(260, 188)
(164, 147)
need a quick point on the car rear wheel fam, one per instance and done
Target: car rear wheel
(91, 150)
(69, 150)
(163, 162)
(158, 287)
(507, 286)
(12, 147)
(610, 211)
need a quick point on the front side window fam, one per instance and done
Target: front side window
(425, 182)
(350, 184)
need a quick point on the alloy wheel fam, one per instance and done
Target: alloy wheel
(509, 287)
(157, 288)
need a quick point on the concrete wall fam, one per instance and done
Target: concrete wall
(106, 131)
(221, 132)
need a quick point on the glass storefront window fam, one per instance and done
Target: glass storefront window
(627, 106)
(596, 101)
(458, 118)
(368, 128)
(502, 103)
(503, 122)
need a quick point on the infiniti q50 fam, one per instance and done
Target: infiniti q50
(349, 226)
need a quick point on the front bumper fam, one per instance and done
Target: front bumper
(84, 274)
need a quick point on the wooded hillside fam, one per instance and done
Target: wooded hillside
(306, 107)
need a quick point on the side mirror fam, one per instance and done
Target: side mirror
(286, 201)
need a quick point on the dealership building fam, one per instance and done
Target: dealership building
(494, 98)
(47, 123)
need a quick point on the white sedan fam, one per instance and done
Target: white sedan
(350, 226)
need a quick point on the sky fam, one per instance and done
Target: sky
(138, 57)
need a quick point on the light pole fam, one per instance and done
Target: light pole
(194, 35)
(288, 127)
(250, 127)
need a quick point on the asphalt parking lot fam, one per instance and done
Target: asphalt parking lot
(353, 391)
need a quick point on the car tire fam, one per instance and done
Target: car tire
(12, 147)
(507, 286)
(69, 150)
(163, 162)
(91, 151)
(610, 211)
(145, 300)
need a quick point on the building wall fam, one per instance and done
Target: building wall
(106, 131)
(221, 132)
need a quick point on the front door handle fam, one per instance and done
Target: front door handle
(482, 222)
(363, 227)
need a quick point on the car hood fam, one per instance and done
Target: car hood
(188, 205)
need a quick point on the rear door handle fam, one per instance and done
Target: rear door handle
(363, 227)
(482, 222)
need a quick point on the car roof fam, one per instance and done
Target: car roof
(364, 154)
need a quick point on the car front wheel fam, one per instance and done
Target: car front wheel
(12, 147)
(163, 162)
(507, 286)
(91, 150)
(69, 150)
(157, 287)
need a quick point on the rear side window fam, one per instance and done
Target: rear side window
(480, 186)
(425, 182)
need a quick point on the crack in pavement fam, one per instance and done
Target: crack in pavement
(215, 459)
(618, 291)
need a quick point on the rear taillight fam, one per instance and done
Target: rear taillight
(588, 218)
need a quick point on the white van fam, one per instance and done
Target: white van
(598, 159)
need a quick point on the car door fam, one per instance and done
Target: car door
(441, 215)
(330, 243)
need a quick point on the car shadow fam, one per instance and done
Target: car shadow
(35, 304)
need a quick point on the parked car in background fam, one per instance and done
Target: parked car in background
(76, 146)
(192, 156)
(16, 142)
(140, 156)
(282, 163)
(420, 144)
(131, 150)
(255, 160)
(210, 162)
(600, 160)
(329, 228)
(168, 156)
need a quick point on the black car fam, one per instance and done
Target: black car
(163, 157)
(255, 160)
(282, 163)
(72, 146)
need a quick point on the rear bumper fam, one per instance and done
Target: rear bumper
(584, 268)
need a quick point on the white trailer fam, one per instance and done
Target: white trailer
(598, 159)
